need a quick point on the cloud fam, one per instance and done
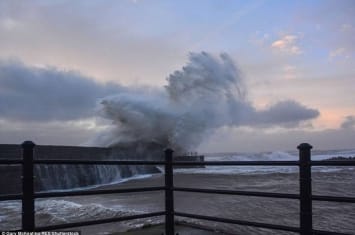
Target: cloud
(348, 123)
(346, 27)
(252, 140)
(260, 38)
(43, 94)
(288, 113)
(340, 52)
(8, 23)
(290, 72)
(287, 44)
(49, 133)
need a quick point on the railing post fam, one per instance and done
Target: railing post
(305, 189)
(169, 194)
(28, 220)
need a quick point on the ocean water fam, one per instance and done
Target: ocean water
(333, 181)
(271, 156)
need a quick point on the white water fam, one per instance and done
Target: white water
(273, 156)
(59, 211)
(51, 211)
(118, 181)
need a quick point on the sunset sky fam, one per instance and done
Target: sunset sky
(59, 57)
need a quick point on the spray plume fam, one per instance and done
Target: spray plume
(204, 95)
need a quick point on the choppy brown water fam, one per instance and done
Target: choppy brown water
(337, 217)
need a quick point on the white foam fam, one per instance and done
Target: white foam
(141, 176)
(51, 211)
(270, 156)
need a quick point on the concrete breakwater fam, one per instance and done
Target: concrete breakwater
(53, 177)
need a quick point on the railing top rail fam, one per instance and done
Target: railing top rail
(333, 163)
(333, 198)
(321, 232)
(266, 163)
(266, 194)
(10, 197)
(237, 163)
(181, 163)
(10, 161)
(97, 162)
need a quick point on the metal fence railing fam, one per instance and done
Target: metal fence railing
(305, 195)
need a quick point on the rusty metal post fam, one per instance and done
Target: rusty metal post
(28, 220)
(169, 193)
(305, 189)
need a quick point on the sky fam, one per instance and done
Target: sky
(58, 58)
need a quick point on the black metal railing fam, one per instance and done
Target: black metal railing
(305, 196)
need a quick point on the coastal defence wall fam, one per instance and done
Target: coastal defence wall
(72, 176)
(10, 175)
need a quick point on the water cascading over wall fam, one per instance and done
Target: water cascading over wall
(60, 177)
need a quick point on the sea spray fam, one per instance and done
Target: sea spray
(206, 94)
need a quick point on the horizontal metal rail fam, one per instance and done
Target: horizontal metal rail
(266, 163)
(237, 163)
(239, 222)
(242, 193)
(321, 232)
(333, 163)
(10, 161)
(96, 192)
(99, 221)
(8, 197)
(265, 194)
(97, 162)
(181, 163)
(333, 199)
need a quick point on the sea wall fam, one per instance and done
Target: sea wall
(194, 158)
(53, 177)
